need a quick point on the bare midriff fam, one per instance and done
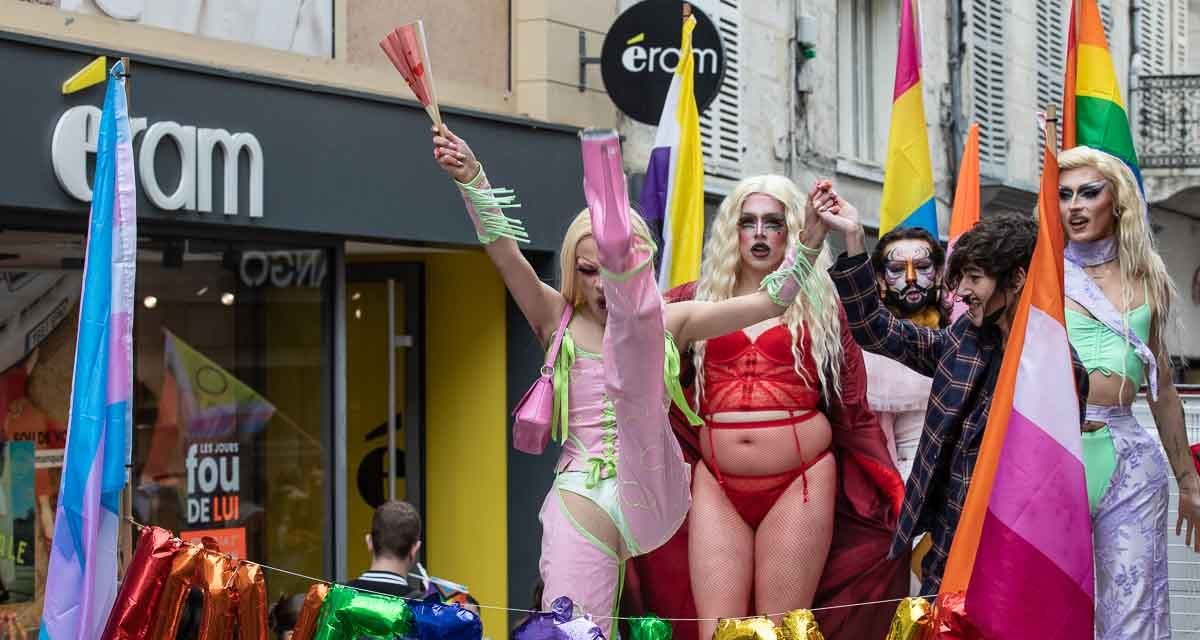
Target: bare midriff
(1108, 391)
(763, 451)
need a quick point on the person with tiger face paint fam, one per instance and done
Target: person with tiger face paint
(908, 265)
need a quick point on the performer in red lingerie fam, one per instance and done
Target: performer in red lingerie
(795, 495)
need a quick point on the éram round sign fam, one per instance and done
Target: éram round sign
(641, 52)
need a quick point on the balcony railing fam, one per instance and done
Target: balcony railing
(1167, 121)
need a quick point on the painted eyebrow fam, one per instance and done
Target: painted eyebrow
(769, 214)
(1087, 186)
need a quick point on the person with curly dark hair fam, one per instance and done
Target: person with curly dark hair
(987, 271)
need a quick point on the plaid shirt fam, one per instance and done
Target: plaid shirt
(963, 361)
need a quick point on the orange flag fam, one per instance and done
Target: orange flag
(966, 196)
(965, 213)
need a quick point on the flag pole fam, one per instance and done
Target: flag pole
(125, 531)
(1052, 125)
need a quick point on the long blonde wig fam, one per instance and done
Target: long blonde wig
(1138, 258)
(580, 228)
(722, 261)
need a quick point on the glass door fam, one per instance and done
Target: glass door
(384, 392)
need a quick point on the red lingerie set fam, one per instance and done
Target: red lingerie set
(741, 374)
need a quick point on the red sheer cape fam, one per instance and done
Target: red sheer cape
(870, 492)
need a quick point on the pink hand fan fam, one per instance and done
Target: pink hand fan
(405, 47)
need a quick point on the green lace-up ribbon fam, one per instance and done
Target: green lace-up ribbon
(489, 204)
(671, 376)
(604, 466)
(562, 384)
(801, 270)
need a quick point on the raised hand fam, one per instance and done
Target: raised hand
(453, 155)
(836, 212)
(815, 229)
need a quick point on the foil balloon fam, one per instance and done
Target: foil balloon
(950, 619)
(649, 628)
(581, 628)
(434, 620)
(209, 571)
(249, 591)
(133, 610)
(348, 614)
(800, 625)
(306, 623)
(913, 620)
(559, 623)
(747, 629)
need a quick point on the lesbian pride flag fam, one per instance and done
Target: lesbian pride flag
(82, 581)
(1022, 553)
(908, 173)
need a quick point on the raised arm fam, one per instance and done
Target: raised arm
(700, 320)
(874, 327)
(540, 303)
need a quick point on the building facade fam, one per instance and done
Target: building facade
(327, 291)
(303, 271)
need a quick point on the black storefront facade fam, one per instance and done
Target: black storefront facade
(256, 291)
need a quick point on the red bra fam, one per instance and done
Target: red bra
(741, 374)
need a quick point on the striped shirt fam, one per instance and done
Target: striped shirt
(387, 582)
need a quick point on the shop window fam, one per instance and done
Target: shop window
(231, 398)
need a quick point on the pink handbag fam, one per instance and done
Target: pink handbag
(533, 414)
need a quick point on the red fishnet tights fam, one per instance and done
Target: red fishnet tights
(778, 566)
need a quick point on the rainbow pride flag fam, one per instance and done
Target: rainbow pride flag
(908, 172)
(1094, 114)
(673, 194)
(82, 580)
(1022, 553)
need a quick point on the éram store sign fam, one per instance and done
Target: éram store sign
(641, 52)
(76, 134)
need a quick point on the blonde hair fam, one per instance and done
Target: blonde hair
(580, 228)
(722, 261)
(1136, 254)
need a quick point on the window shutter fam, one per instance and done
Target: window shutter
(1179, 37)
(1154, 34)
(720, 123)
(1051, 56)
(1106, 18)
(986, 24)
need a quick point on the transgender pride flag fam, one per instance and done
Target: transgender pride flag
(82, 581)
(1022, 553)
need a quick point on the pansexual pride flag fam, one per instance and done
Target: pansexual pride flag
(82, 581)
(674, 189)
(1093, 112)
(1022, 553)
(908, 172)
